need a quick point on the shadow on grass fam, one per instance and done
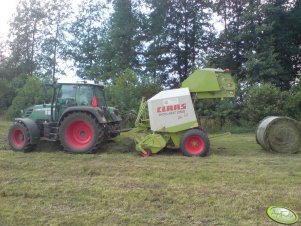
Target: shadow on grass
(170, 151)
(128, 146)
(111, 147)
(49, 146)
(220, 151)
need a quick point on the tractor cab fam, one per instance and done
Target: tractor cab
(77, 94)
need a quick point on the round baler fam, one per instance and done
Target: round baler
(168, 119)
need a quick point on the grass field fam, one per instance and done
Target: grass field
(234, 185)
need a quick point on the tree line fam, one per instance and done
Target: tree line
(150, 43)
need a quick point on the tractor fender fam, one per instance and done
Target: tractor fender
(96, 112)
(33, 129)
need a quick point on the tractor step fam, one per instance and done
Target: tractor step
(54, 136)
(47, 139)
(54, 130)
(50, 132)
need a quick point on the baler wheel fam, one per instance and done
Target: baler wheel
(194, 142)
(79, 133)
(147, 153)
(19, 138)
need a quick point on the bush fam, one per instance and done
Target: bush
(126, 94)
(265, 100)
(123, 94)
(294, 103)
(31, 93)
(214, 113)
(242, 127)
(9, 90)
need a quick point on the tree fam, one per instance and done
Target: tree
(53, 44)
(262, 64)
(120, 47)
(285, 19)
(180, 34)
(4, 80)
(259, 42)
(295, 28)
(24, 31)
(22, 48)
(88, 32)
(275, 53)
(240, 19)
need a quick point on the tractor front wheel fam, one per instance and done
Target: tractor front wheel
(79, 133)
(194, 142)
(19, 138)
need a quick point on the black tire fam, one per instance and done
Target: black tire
(194, 142)
(80, 133)
(19, 138)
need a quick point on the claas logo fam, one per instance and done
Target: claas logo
(169, 108)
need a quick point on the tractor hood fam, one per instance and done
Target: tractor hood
(41, 112)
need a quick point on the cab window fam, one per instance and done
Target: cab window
(100, 96)
(67, 94)
(85, 95)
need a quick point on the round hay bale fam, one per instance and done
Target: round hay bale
(279, 134)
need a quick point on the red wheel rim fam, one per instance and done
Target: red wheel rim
(146, 154)
(79, 134)
(18, 138)
(194, 145)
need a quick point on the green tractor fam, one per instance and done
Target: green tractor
(78, 117)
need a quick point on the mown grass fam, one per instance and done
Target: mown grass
(232, 186)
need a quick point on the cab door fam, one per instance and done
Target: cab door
(66, 97)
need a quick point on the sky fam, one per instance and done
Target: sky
(7, 9)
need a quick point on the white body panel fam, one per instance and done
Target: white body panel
(170, 108)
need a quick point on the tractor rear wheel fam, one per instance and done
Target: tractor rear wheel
(194, 142)
(80, 133)
(19, 138)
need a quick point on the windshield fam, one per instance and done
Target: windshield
(67, 91)
(67, 95)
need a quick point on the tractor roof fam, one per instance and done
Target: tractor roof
(74, 80)
(83, 83)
